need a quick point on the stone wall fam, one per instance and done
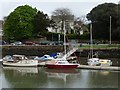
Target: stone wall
(30, 50)
(41, 50)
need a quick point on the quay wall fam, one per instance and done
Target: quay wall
(30, 50)
(41, 50)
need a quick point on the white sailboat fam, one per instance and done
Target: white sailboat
(93, 59)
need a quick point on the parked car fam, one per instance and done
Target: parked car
(29, 43)
(58, 42)
(17, 43)
(45, 43)
(2, 42)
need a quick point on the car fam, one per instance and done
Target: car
(58, 42)
(44, 43)
(29, 43)
(2, 42)
(17, 43)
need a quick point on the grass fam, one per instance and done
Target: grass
(101, 46)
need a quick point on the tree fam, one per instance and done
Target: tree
(100, 18)
(62, 15)
(116, 32)
(79, 25)
(19, 23)
(41, 23)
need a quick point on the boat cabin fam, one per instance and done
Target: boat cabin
(19, 57)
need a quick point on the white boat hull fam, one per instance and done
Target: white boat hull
(42, 63)
(23, 63)
(93, 61)
(100, 62)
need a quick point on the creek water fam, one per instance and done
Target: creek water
(41, 77)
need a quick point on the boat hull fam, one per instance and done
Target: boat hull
(20, 64)
(61, 66)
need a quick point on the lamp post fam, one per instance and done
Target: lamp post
(110, 31)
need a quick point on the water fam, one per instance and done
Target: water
(39, 77)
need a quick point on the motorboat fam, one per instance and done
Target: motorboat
(19, 61)
(60, 64)
(105, 62)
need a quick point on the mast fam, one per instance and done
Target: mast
(91, 42)
(64, 38)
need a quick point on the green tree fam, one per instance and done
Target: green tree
(41, 22)
(19, 23)
(116, 32)
(100, 17)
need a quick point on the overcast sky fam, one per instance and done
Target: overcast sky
(77, 7)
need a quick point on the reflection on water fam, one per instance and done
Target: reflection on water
(0, 78)
(27, 77)
(23, 77)
(22, 70)
(58, 78)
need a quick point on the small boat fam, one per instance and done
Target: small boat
(19, 61)
(60, 64)
(95, 61)
(42, 60)
(105, 62)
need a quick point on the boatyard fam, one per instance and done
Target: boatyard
(28, 51)
(46, 46)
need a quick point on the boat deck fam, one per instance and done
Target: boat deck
(114, 68)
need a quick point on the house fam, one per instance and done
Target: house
(71, 26)
(58, 27)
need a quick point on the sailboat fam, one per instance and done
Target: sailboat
(93, 59)
(61, 62)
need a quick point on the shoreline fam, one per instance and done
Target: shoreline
(87, 67)
(111, 68)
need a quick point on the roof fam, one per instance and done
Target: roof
(18, 55)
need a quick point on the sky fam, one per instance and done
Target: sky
(78, 7)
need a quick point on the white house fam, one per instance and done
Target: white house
(69, 26)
